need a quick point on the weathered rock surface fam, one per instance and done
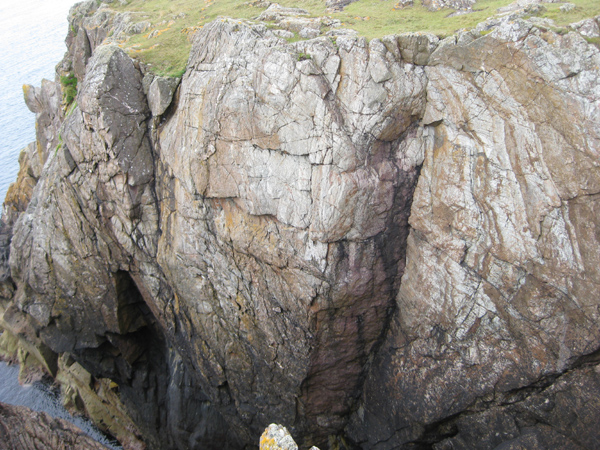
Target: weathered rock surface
(297, 20)
(250, 258)
(272, 182)
(338, 5)
(277, 437)
(160, 94)
(499, 296)
(461, 5)
(589, 28)
(45, 102)
(24, 429)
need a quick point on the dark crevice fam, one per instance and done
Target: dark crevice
(156, 385)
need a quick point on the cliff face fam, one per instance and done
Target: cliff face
(498, 306)
(390, 243)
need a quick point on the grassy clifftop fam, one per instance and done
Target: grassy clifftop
(165, 43)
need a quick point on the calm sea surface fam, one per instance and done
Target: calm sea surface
(32, 35)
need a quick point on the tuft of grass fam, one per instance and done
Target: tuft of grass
(594, 40)
(69, 88)
(59, 145)
(296, 38)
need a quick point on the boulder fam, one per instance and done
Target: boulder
(588, 28)
(460, 5)
(276, 12)
(337, 5)
(308, 33)
(160, 94)
(277, 437)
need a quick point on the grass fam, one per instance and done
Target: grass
(584, 9)
(69, 88)
(371, 20)
(595, 41)
(167, 44)
(168, 50)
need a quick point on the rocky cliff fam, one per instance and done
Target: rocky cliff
(23, 429)
(384, 244)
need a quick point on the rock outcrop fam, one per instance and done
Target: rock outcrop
(277, 437)
(387, 244)
(460, 5)
(24, 429)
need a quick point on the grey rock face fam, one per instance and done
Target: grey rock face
(499, 294)
(90, 227)
(81, 53)
(589, 27)
(293, 182)
(17, 199)
(113, 105)
(45, 102)
(160, 94)
(244, 260)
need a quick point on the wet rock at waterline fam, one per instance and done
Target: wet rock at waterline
(24, 429)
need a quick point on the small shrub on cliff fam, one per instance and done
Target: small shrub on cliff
(69, 88)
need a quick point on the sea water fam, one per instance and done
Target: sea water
(41, 397)
(32, 35)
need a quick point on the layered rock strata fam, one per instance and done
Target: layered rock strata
(244, 255)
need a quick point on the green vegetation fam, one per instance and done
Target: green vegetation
(69, 88)
(584, 9)
(595, 41)
(166, 45)
(60, 143)
(371, 22)
(371, 18)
